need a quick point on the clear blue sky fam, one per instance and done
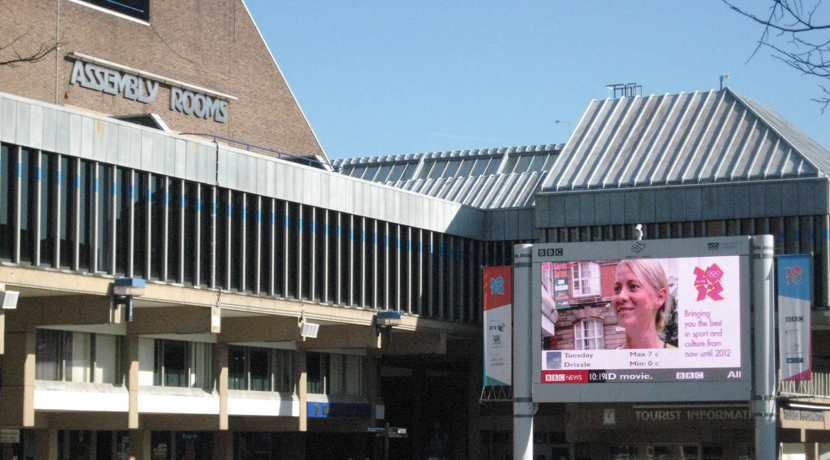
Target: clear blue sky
(396, 77)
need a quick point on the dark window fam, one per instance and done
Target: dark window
(260, 372)
(207, 209)
(307, 226)
(266, 263)
(29, 180)
(143, 196)
(191, 230)
(86, 215)
(172, 354)
(67, 203)
(252, 223)
(105, 189)
(47, 180)
(8, 194)
(370, 246)
(175, 214)
(123, 212)
(223, 221)
(238, 241)
(280, 251)
(236, 368)
(158, 203)
(139, 9)
(292, 224)
(317, 369)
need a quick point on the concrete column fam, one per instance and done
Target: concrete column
(46, 445)
(17, 396)
(222, 383)
(301, 377)
(763, 349)
(476, 377)
(141, 445)
(223, 445)
(132, 381)
(522, 352)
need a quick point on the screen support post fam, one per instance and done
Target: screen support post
(522, 352)
(763, 347)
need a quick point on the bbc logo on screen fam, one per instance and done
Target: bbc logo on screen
(551, 252)
(689, 375)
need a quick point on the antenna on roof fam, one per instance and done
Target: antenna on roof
(625, 89)
(722, 78)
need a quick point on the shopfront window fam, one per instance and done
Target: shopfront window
(334, 374)
(259, 369)
(77, 357)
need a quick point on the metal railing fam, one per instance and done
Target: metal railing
(819, 386)
(248, 147)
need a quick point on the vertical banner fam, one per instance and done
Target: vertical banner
(794, 299)
(498, 326)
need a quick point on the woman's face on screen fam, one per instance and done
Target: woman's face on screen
(635, 301)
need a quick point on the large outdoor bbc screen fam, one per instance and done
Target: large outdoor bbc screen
(615, 316)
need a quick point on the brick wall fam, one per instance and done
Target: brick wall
(209, 43)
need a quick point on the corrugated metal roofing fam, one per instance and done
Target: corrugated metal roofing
(485, 192)
(715, 136)
(486, 178)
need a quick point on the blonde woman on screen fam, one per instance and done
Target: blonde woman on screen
(642, 302)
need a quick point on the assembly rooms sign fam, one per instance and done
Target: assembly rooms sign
(143, 87)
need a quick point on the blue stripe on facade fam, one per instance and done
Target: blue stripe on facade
(214, 208)
(286, 222)
(19, 170)
(258, 216)
(198, 204)
(273, 219)
(95, 181)
(363, 236)
(182, 202)
(300, 222)
(38, 174)
(244, 212)
(78, 181)
(132, 192)
(313, 226)
(339, 231)
(166, 198)
(60, 179)
(230, 210)
(114, 188)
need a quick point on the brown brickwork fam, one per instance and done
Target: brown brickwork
(213, 44)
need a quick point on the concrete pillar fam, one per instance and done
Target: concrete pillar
(522, 346)
(46, 445)
(223, 445)
(222, 383)
(141, 445)
(301, 377)
(132, 381)
(17, 396)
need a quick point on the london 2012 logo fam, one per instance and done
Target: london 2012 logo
(794, 275)
(497, 286)
(708, 282)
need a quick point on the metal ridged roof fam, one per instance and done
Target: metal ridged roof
(704, 137)
(484, 192)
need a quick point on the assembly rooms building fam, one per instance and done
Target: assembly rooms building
(160, 143)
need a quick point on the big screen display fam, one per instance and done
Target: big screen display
(663, 319)
(641, 321)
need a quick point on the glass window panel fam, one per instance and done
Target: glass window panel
(537, 162)
(480, 166)
(8, 181)
(158, 208)
(409, 171)
(493, 166)
(283, 371)
(316, 370)
(224, 211)
(67, 181)
(335, 386)
(207, 209)
(47, 179)
(466, 167)
(139, 9)
(201, 363)
(306, 232)
(452, 168)
(175, 214)
(370, 173)
(437, 170)
(106, 358)
(292, 224)
(148, 371)
(236, 368)
(191, 227)
(123, 208)
(78, 356)
(266, 262)
(253, 217)
(174, 361)
(47, 354)
(523, 165)
(143, 198)
(105, 190)
(354, 375)
(238, 239)
(29, 174)
(397, 172)
(259, 369)
(383, 173)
